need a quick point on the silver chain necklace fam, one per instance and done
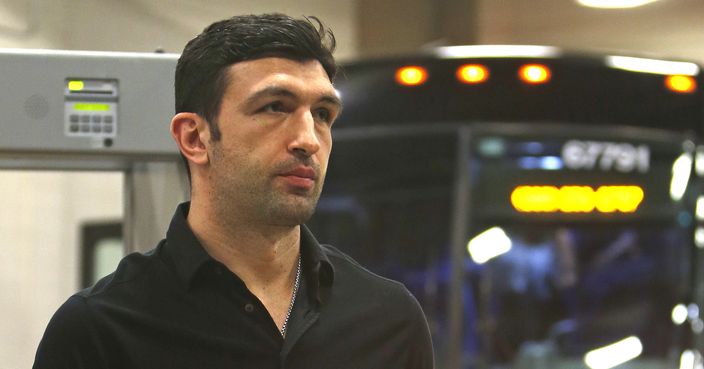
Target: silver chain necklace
(293, 297)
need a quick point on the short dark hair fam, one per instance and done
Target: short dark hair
(201, 72)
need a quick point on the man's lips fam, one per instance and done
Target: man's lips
(302, 172)
(301, 177)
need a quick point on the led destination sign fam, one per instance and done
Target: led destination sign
(579, 179)
(577, 199)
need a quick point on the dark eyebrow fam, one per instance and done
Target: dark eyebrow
(334, 100)
(284, 92)
(269, 91)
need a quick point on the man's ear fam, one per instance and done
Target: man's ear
(190, 131)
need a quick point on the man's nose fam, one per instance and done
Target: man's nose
(305, 140)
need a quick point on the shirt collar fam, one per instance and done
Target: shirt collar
(317, 268)
(188, 256)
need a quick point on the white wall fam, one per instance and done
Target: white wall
(39, 248)
(42, 211)
(144, 25)
(27, 24)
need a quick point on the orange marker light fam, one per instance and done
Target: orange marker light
(681, 84)
(534, 74)
(411, 75)
(472, 73)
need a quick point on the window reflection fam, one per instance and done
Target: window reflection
(551, 291)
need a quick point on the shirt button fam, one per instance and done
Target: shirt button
(249, 308)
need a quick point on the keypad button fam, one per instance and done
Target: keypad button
(96, 128)
(85, 118)
(96, 118)
(85, 128)
(107, 119)
(73, 118)
(73, 128)
(107, 129)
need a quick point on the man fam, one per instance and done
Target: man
(239, 282)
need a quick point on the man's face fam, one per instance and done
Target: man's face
(270, 163)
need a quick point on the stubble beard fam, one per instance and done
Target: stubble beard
(289, 209)
(252, 196)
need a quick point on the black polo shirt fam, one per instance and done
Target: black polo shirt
(176, 307)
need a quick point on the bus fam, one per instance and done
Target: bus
(542, 205)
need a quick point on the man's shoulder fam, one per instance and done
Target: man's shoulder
(74, 337)
(69, 338)
(386, 308)
(357, 279)
(133, 268)
(345, 264)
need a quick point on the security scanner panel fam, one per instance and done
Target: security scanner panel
(102, 108)
(91, 108)
(97, 111)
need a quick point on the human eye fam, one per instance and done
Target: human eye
(273, 107)
(323, 115)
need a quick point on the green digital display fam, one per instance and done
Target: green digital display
(91, 107)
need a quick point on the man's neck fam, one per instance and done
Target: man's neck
(264, 257)
(260, 254)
